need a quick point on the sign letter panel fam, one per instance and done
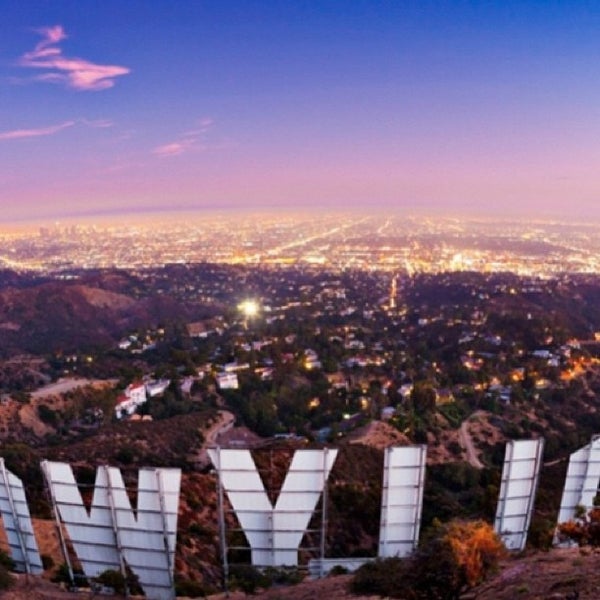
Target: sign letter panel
(17, 523)
(111, 534)
(274, 533)
(522, 461)
(402, 500)
(581, 484)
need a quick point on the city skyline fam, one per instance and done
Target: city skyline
(458, 108)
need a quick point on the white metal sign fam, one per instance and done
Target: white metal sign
(401, 500)
(112, 535)
(581, 484)
(273, 532)
(17, 523)
(520, 475)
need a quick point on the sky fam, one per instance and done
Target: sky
(483, 108)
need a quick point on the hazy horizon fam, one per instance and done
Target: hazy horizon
(131, 217)
(445, 108)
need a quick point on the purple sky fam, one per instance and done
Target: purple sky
(466, 107)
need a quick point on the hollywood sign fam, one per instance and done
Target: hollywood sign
(111, 535)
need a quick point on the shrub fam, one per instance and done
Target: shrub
(455, 557)
(47, 415)
(459, 555)
(283, 575)
(62, 575)
(6, 561)
(6, 579)
(541, 533)
(247, 578)
(584, 529)
(112, 579)
(126, 455)
(122, 585)
(383, 576)
(338, 570)
(47, 562)
(190, 588)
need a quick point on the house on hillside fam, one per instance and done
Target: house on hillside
(202, 329)
(156, 388)
(228, 381)
(133, 396)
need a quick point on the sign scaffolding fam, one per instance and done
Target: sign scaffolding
(581, 484)
(402, 500)
(274, 532)
(522, 462)
(17, 523)
(111, 536)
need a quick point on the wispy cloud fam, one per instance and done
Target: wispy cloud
(75, 73)
(17, 134)
(189, 140)
(174, 148)
(98, 123)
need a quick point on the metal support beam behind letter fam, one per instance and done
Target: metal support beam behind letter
(581, 483)
(273, 532)
(216, 457)
(111, 535)
(520, 475)
(401, 500)
(17, 523)
(115, 528)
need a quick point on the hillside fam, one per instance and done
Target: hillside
(566, 574)
(44, 317)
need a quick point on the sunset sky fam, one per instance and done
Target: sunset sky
(474, 107)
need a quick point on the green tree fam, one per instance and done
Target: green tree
(423, 399)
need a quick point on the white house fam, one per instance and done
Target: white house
(156, 388)
(133, 396)
(228, 381)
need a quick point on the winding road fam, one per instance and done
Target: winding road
(466, 441)
(225, 421)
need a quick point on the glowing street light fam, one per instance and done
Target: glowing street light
(249, 308)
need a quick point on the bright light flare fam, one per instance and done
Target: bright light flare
(249, 308)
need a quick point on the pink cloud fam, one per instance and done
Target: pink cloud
(17, 134)
(75, 73)
(52, 35)
(187, 141)
(173, 149)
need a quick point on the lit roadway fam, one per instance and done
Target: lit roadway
(307, 240)
(381, 229)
